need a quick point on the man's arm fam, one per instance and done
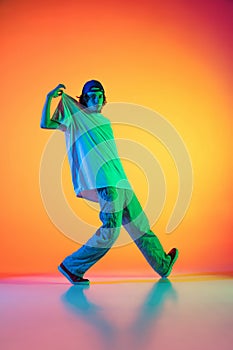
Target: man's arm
(46, 122)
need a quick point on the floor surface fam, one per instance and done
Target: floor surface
(184, 312)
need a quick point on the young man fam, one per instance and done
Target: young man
(98, 175)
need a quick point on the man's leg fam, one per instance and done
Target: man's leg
(137, 225)
(99, 244)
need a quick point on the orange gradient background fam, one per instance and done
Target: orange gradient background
(174, 57)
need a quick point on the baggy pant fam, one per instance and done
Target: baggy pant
(119, 207)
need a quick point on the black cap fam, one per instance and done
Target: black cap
(92, 85)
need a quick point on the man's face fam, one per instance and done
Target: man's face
(95, 101)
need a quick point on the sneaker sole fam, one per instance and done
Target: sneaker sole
(68, 277)
(171, 266)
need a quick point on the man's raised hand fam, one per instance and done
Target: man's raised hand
(57, 91)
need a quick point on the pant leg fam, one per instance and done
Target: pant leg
(111, 203)
(137, 225)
